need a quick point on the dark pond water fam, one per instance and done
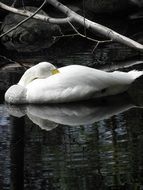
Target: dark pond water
(83, 146)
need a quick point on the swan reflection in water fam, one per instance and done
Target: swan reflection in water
(48, 117)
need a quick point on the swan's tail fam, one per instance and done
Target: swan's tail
(135, 74)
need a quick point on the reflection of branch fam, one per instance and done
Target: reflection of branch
(23, 21)
(74, 17)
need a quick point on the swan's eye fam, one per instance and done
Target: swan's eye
(55, 71)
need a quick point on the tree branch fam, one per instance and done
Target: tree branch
(85, 36)
(37, 16)
(95, 27)
(23, 21)
(74, 17)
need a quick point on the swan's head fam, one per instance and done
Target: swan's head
(16, 94)
(39, 71)
(45, 69)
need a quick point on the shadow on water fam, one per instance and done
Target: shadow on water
(79, 146)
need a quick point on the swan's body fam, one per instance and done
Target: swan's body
(44, 84)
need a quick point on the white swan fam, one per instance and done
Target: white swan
(43, 83)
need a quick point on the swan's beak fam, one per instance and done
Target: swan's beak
(55, 71)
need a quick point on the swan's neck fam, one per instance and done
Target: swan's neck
(28, 77)
(35, 73)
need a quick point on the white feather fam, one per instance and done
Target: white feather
(72, 83)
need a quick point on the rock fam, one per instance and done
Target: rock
(33, 35)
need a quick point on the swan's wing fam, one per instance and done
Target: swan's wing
(71, 84)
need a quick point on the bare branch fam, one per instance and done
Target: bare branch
(95, 27)
(95, 47)
(77, 33)
(74, 17)
(85, 36)
(66, 35)
(37, 16)
(23, 21)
